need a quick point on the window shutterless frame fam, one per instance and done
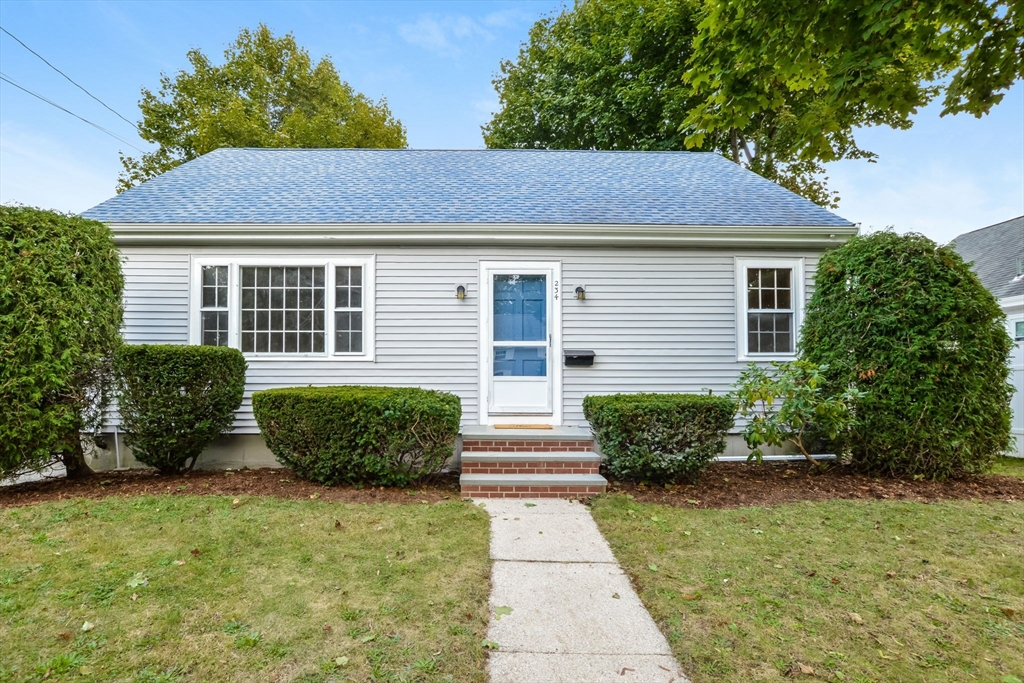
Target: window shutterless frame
(329, 264)
(798, 286)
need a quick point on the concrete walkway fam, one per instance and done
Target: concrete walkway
(562, 610)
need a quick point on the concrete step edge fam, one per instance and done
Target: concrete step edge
(532, 480)
(547, 456)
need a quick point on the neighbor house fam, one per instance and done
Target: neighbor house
(519, 280)
(997, 255)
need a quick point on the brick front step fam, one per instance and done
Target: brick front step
(473, 445)
(531, 485)
(564, 462)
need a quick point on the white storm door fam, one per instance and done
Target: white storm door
(518, 353)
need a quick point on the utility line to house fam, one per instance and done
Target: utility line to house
(80, 87)
(4, 78)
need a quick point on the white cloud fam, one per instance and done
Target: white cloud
(443, 35)
(37, 170)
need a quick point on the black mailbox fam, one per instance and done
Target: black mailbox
(578, 357)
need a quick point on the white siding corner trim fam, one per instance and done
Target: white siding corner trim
(329, 263)
(798, 289)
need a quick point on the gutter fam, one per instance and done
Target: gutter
(498, 234)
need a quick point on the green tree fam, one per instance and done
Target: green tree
(60, 321)
(267, 93)
(909, 325)
(611, 74)
(858, 63)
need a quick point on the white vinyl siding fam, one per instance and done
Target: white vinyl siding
(661, 320)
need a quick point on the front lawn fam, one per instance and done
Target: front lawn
(1010, 467)
(849, 590)
(188, 588)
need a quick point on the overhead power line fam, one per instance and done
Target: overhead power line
(82, 88)
(3, 77)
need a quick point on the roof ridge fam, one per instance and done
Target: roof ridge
(446, 149)
(994, 225)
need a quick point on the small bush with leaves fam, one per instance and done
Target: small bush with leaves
(659, 437)
(174, 400)
(787, 404)
(908, 324)
(352, 434)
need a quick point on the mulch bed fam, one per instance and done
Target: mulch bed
(732, 484)
(270, 481)
(723, 485)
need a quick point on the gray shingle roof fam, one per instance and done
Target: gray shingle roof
(994, 252)
(473, 186)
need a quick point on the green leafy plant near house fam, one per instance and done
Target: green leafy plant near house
(787, 404)
(60, 320)
(350, 434)
(907, 324)
(659, 437)
(174, 400)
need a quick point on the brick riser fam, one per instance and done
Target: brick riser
(546, 467)
(517, 446)
(469, 491)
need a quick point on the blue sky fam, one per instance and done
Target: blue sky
(434, 62)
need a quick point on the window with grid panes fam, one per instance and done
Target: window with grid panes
(214, 309)
(348, 309)
(283, 309)
(770, 312)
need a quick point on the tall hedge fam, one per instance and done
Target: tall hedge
(659, 437)
(174, 400)
(355, 434)
(60, 321)
(909, 324)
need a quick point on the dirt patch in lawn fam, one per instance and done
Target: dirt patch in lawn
(270, 481)
(729, 485)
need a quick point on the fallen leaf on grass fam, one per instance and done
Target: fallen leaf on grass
(88, 626)
(653, 567)
(65, 636)
(1008, 611)
(135, 596)
(179, 562)
(341, 661)
(337, 524)
(835, 580)
(691, 596)
(810, 573)
(489, 644)
(890, 575)
(856, 618)
(368, 639)
(195, 552)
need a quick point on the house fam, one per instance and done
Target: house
(997, 256)
(519, 280)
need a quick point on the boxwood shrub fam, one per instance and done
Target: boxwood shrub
(350, 434)
(174, 400)
(659, 437)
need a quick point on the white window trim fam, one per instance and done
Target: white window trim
(368, 263)
(799, 288)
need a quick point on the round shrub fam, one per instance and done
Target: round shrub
(349, 434)
(909, 324)
(60, 321)
(174, 400)
(659, 438)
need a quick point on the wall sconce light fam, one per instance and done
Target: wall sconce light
(460, 292)
(581, 293)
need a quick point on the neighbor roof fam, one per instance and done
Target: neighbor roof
(995, 252)
(327, 186)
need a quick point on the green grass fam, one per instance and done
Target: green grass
(202, 589)
(855, 591)
(1010, 467)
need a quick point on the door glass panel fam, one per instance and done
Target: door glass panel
(520, 308)
(520, 361)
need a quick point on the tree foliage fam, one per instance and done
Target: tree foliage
(804, 414)
(721, 76)
(267, 93)
(60, 320)
(910, 326)
(854, 63)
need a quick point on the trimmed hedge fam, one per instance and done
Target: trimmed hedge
(174, 400)
(907, 323)
(659, 437)
(351, 434)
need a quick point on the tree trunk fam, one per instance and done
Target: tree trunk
(73, 458)
(735, 146)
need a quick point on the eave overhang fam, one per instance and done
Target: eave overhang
(503, 234)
